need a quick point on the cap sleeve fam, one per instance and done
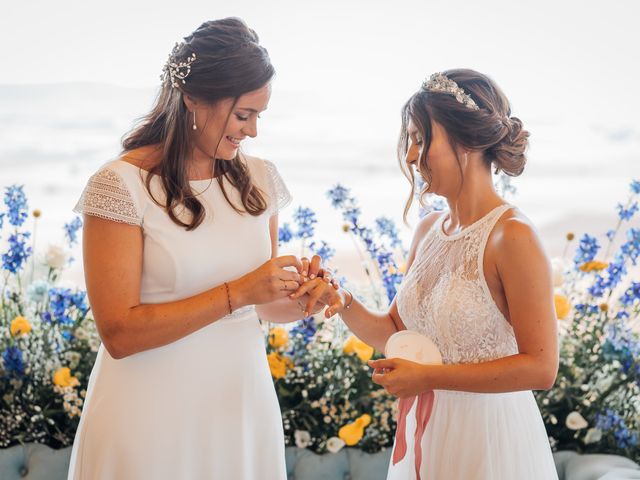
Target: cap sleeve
(108, 196)
(278, 191)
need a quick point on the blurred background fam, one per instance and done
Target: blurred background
(76, 75)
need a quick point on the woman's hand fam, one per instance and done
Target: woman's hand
(401, 378)
(312, 269)
(267, 283)
(319, 290)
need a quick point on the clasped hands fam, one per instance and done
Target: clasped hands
(318, 289)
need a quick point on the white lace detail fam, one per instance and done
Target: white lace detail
(278, 192)
(445, 295)
(107, 196)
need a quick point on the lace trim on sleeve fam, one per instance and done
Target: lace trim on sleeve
(279, 193)
(107, 196)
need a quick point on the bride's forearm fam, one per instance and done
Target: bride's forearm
(508, 374)
(373, 328)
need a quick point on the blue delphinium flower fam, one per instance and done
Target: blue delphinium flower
(586, 309)
(631, 294)
(18, 252)
(67, 335)
(635, 186)
(610, 420)
(623, 345)
(387, 228)
(614, 273)
(587, 250)
(631, 248)
(62, 300)
(322, 249)
(13, 361)
(71, 230)
(1, 220)
(351, 214)
(304, 328)
(16, 202)
(627, 213)
(284, 234)
(306, 220)
(338, 196)
(611, 234)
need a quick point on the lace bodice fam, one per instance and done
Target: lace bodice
(445, 295)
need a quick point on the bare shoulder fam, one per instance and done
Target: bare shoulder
(514, 234)
(144, 157)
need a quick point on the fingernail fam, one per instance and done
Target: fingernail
(305, 313)
(312, 276)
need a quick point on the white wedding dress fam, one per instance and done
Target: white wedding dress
(203, 407)
(468, 435)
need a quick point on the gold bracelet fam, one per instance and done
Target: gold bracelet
(226, 286)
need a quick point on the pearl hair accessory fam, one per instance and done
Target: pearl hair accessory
(439, 82)
(176, 72)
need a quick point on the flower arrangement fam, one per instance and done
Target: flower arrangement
(320, 371)
(595, 404)
(48, 341)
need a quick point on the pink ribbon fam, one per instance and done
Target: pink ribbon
(423, 413)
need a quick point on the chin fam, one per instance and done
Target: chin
(227, 155)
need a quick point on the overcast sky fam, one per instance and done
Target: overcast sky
(553, 58)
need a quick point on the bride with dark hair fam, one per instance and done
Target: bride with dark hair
(180, 257)
(478, 285)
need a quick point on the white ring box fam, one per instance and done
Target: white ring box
(413, 346)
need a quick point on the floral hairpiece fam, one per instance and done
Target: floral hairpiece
(439, 82)
(174, 71)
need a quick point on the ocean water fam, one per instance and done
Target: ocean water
(53, 137)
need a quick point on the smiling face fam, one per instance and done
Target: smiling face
(439, 166)
(222, 127)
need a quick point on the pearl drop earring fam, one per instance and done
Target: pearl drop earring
(194, 121)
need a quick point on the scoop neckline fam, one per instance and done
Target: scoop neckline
(468, 228)
(147, 172)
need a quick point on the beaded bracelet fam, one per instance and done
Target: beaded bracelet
(226, 286)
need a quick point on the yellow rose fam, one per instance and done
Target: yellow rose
(63, 378)
(563, 306)
(593, 266)
(352, 433)
(278, 337)
(278, 365)
(357, 346)
(20, 326)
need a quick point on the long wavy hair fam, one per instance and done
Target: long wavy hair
(491, 129)
(229, 63)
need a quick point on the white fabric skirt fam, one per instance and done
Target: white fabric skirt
(200, 408)
(476, 436)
